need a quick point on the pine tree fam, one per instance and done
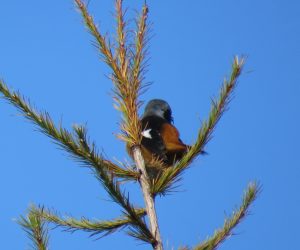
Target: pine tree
(127, 61)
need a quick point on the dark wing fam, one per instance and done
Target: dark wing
(151, 136)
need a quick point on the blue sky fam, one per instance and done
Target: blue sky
(46, 53)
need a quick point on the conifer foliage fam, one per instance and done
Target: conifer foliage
(127, 59)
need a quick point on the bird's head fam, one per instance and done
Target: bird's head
(159, 108)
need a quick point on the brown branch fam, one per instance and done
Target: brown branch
(125, 97)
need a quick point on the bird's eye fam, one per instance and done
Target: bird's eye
(168, 115)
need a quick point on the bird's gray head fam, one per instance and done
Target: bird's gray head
(159, 108)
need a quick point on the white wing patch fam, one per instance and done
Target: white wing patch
(146, 133)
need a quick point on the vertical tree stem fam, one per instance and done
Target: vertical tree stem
(148, 198)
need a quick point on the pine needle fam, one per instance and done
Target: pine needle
(94, 227)
(77, 145)
(36, 229)
(225, 232)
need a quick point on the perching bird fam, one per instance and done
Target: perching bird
(160, 139)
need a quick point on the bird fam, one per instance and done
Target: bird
(160, 138)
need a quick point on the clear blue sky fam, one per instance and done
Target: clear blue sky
(46, 53)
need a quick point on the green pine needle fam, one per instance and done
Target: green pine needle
(80, 149)
(94, 227)
(225, 232)
(73, 144)
(36, 229)
(127, 65)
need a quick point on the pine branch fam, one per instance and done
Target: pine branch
(105, 49)
(91, 156)
(81, 151)
(126, 99)
(165, 182)
(94, 227)
(138, 56)
(137, 70)
(127, 90)
(36, 229)
(121, 38)
(63, 137)
(225, 232)
(113, 189)
(136, 77)
(148, 198)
